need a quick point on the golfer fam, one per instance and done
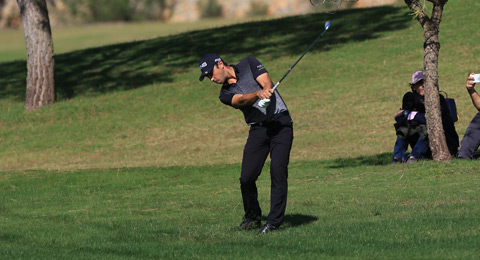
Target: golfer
(248, 87)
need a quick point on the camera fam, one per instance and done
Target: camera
(476, 78)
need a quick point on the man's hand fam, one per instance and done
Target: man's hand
(470, 84)
(264, 96)
(263, 103)
(399, 113)
(264, 93)
(471, 90)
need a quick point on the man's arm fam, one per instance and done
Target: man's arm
(473, 93)
(265, 81)
(244, 100)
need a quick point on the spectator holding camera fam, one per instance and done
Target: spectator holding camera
(471, 139)
(411, 124)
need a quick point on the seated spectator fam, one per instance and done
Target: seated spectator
(471, 139)
(411, 125)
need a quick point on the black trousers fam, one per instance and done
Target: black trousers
(275, 138)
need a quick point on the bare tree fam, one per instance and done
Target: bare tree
(431, 46)
(40, 57)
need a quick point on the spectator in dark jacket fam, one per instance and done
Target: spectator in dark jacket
(411, 125)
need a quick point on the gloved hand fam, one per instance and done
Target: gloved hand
(263, 103)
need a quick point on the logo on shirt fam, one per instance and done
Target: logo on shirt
(260, 67)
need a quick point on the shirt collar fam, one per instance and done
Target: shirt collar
(237, 73)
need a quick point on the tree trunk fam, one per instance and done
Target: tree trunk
(436, 134)
(40, 57)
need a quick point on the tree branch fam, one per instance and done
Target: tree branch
(418, 11)
(437, 11)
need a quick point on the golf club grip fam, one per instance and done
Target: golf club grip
(276, 85)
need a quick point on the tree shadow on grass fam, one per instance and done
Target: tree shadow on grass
(379, 159)
(133, 65)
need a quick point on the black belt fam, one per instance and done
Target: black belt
(272, 118)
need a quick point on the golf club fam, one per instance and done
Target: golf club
(265, 102)
(327, 24)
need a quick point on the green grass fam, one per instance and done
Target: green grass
(140, 103)
(338, 209)
(67, 39)
(139, 160)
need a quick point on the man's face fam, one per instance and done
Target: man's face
(419, 88)
(218, 74)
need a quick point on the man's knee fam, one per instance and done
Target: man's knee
(247, 180)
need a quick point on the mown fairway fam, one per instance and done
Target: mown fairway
(139, 160)
(338, 209)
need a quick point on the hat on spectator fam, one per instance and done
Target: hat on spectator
(417, 76)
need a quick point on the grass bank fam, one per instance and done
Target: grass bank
(140, 104)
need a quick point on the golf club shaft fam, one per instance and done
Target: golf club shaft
(305, 52)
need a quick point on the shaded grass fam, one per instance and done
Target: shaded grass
(72, 38)
(356, 211)
(137, 64)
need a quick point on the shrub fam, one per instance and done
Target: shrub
(258, 8)
(210, 8)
